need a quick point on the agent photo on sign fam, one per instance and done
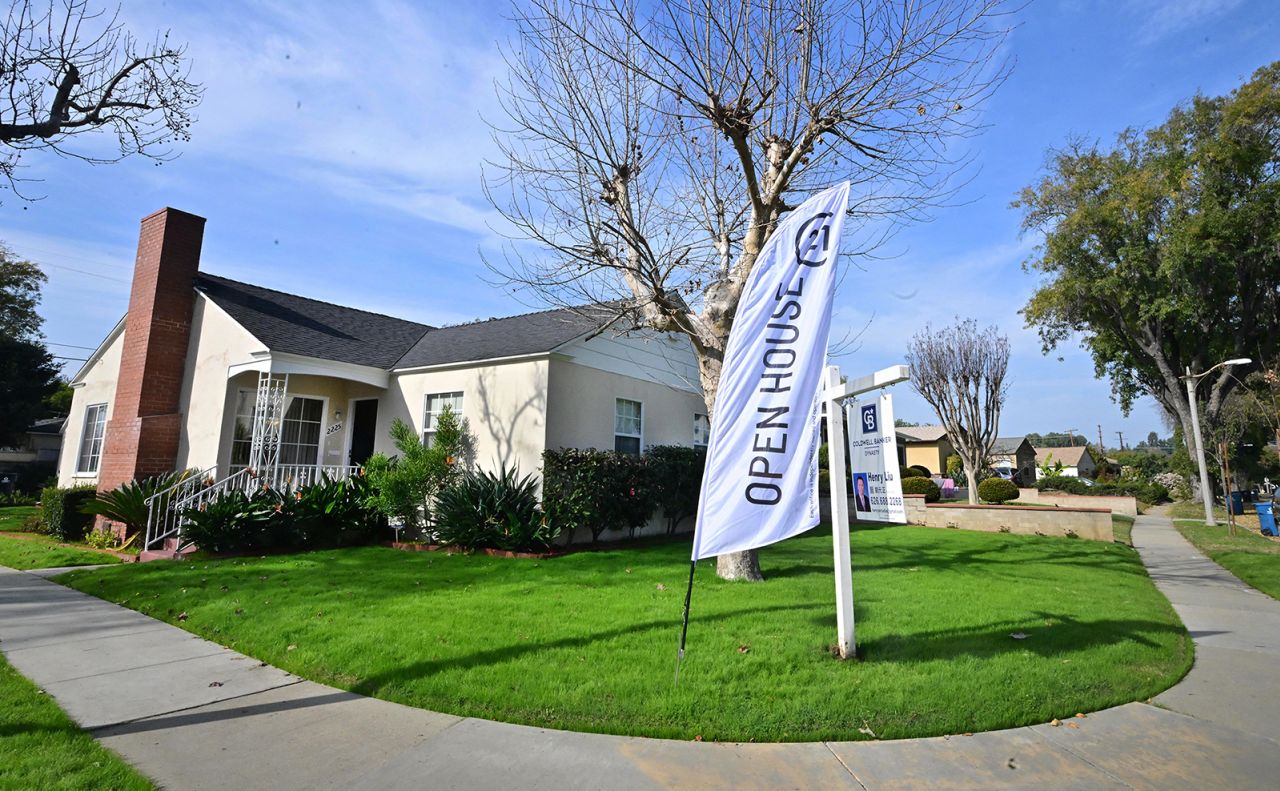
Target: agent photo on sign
(861, 493)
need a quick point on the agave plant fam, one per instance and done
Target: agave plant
(127, 503)
(482, 509)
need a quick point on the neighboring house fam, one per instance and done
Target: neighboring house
(1076, 462)
(33, 459)
(1013, 457)
(924, 446)
(175, 383)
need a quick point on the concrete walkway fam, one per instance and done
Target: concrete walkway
(193, 715)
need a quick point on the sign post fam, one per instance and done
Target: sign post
(833, 395)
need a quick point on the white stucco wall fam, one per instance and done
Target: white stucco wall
(504, 406)
(96, 384)
(216, 343)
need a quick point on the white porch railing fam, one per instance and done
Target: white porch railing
(166, 509)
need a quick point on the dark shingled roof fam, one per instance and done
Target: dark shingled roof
(531, 333)
(309, 327)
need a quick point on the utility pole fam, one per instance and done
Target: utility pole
(1120, 434)
(1102, 449)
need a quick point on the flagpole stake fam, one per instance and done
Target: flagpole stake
(840, 518)
(684, 625)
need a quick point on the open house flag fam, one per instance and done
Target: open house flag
(761, 480)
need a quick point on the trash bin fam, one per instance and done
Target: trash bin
(1237, 503)
(1266, 518)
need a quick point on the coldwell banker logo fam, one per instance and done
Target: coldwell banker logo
(869, 419)
(813, 240)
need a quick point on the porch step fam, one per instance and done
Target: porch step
(168, 552)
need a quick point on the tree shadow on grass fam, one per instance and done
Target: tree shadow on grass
(1067, 635)
(511, 652)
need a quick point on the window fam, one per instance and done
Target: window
(242, 432)
(435, 404)
(95, 426)
(301, 430)
(627, 426)
(701, 431)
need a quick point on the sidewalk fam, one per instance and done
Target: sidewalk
(193, 715)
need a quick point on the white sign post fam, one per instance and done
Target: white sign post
(832, 396)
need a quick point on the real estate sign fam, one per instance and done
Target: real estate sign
(873, 461)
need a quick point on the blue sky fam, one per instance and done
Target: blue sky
(338, 155)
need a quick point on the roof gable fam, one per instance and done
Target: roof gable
(1008, 445)
(311, 328)
(1069, 456)
(921, 433)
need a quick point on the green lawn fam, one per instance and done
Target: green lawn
(1251, 557)
(34, 551)
(1122, 528)
(587, 641)
(40, 747)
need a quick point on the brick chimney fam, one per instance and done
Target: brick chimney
(142, 434)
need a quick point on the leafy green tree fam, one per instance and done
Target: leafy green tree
(405, 487)
(28, 373)
(1161, 251)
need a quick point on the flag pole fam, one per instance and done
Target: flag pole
(684, 626)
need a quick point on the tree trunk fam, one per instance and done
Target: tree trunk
(972, 478)
(736, 565)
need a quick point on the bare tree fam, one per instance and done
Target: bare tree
(649, 155)
(961, 371)
(66, 71)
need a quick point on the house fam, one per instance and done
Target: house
(924, 446)
(1077, 462)
(1014, 457)
(209, 373)
(33, 459)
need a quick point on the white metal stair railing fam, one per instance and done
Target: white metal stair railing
(162, 518)
(281, 478)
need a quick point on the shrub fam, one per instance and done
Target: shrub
(60, 511)
(127, 503)
(1174, 483)
(916, 471)
(955, 468)
(487, 510)
(323, 515)
(675, 473)
(997, 490)
(921, 485)
(16, 498)
(404, 488)
(1063, 483)
(598, 490)
(100, 539)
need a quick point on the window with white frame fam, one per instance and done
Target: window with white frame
(435, 404)
(701, 430)
(628, 425)
(242, 431)
(95, 427)
(300, 431)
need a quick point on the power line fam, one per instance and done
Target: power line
(70, 346)
(85, 272)
(72, 359)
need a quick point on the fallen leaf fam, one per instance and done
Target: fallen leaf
(215, 683)
(1055, 722)
(1078, 714)
(1012, 764)
(697, 738)
(628, 571)
(182, 616)
(1072, 725)
(661, 587)
(1018, 635)
(742, 649)
(291, 648)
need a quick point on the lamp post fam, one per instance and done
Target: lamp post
(1205, 488)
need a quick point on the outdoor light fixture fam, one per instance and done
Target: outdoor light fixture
(1193, 380)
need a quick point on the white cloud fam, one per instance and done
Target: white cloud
(1164, 18)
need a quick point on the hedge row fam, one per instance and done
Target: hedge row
(60, 513)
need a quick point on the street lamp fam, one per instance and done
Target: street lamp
(1205, 490)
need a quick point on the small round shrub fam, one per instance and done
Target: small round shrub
(921, 485)
(919, 472)
(1063, 483)
(997, 490)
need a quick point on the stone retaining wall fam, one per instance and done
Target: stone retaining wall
(1091, 523)
(1122, 505)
